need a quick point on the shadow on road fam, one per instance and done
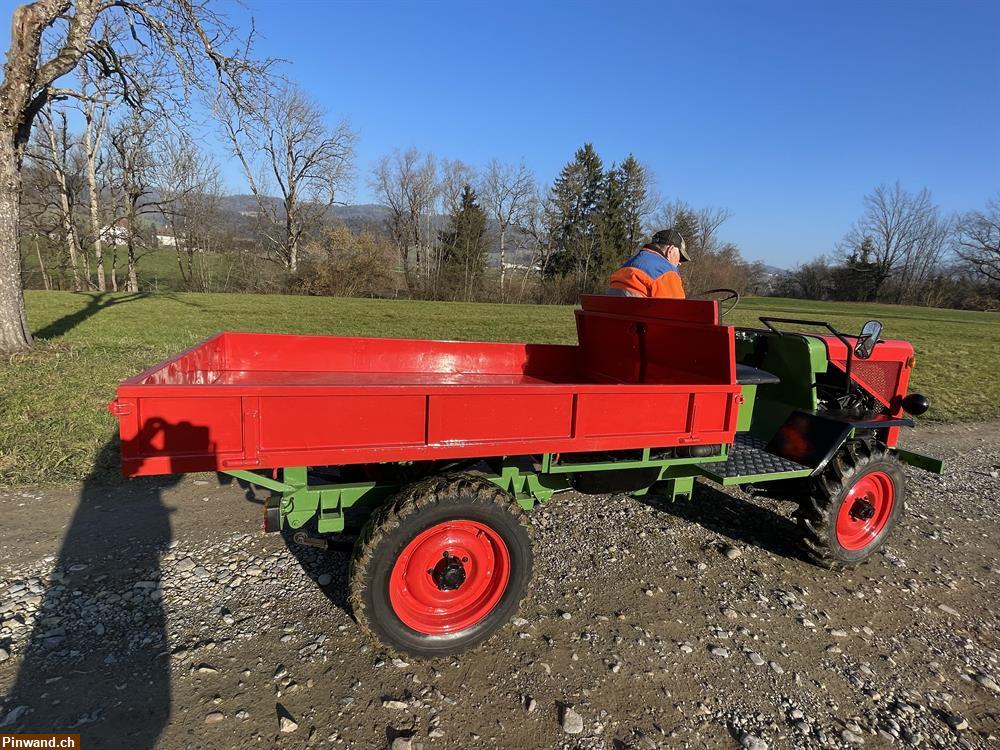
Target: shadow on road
(737, 519)
(316, 563)
(97, 660)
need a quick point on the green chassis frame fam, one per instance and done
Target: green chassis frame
(301, 501)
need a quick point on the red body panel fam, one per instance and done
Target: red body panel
(646, 373)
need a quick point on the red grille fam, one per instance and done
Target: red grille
(881, 378)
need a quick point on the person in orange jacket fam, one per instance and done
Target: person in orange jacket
(653, 271)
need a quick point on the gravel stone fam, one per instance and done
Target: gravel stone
(852, 738)
(572, 722)
(752, 742)
(956, 722)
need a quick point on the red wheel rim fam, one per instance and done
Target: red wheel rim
(449, 577)
(865, 511)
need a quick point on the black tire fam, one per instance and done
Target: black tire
(818, 513)
(415, 509)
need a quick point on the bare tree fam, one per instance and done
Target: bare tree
(40, 219)
(700, 226)
(406, 184)
(58, 158)
(49, 38)
(455, 174)
(506, 190)
(96, 105)
(978, 240)
(133, 175)
(285, 146)
(51, 190)
(189, 197)
(536, 231)
(900, 234)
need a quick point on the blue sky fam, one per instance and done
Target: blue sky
(786, 113)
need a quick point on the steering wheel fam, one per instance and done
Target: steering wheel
(730, 294)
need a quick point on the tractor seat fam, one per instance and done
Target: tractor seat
(747, 375)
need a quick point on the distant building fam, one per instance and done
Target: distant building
(535, 267)
(115, 234)
(165, 237)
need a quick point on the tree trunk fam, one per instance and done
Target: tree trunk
(404, 257)
(14, 332)
(92, 143)
(67, 221)
(132, 285)
(89, 284)
(95, 221)
(503, 257)
(180, 267)
(41, 267)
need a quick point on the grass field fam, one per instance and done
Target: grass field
(52, 418)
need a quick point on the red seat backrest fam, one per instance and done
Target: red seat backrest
(639, 340)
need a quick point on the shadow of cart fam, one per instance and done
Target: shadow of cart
(329, 569)
(732, 517)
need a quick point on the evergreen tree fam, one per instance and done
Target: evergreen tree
(614, 242)
(636, 198)
(576, 196)
(688, 224)
(464, 247)
(857, 279)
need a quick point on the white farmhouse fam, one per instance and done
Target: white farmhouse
(165, 237)
(115, 234)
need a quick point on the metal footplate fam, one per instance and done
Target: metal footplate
(749, 461)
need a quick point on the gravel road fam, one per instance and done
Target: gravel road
(154, 613)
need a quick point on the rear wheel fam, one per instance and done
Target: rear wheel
(853, 506)
(442, 566)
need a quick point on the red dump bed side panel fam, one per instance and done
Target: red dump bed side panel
(248, 401)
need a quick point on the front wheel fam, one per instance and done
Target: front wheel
(853, 506)
(441, 567)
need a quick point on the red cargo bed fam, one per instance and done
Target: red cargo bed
(642, 375)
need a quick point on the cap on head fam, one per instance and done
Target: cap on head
(666, 237)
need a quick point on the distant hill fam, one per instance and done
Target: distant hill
(354, 216)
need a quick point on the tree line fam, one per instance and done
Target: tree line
(905, 250)
(99, 200)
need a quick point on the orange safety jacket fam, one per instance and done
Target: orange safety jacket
(647, 274)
